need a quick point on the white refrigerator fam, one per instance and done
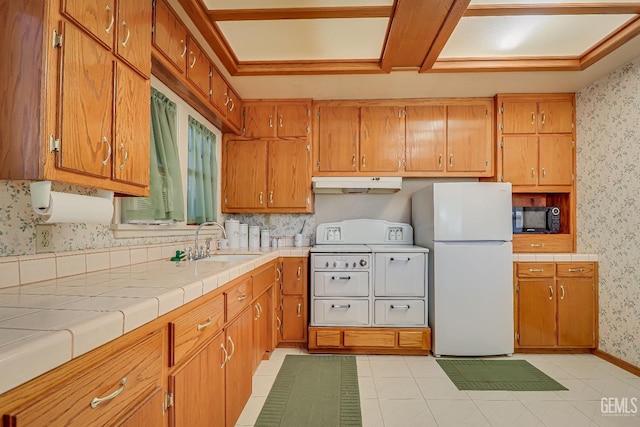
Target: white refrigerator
(468, 230)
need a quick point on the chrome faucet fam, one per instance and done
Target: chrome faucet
(201, 252)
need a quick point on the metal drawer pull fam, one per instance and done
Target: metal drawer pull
(340, 277)
(226, 356)
(536, 270)
(537, 245)
(233, 348)
(340, 305)
(98, 400)
(400, 259)
(242, 298)
(401, 307)
(561, 291)
(575, 270)
(550, 293)
(112, 19)
(204, 325)
(299, 308)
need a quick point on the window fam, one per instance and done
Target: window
(189, 196)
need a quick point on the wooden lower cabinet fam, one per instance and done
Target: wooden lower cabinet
(147, 413)
(556, 305)
(262, 328)
(238, 372)
(294, 300)
(294, 324)
(370, 340)
(198, 388)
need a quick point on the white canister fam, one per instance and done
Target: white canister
(264, 238)
(297, 240)
(232, 227)
(244, 235)
(254, 237)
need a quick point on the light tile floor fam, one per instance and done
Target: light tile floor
(408, 391)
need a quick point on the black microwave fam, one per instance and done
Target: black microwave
(529, 219)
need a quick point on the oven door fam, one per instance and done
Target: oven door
(400, 274)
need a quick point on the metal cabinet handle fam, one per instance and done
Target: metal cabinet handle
(226, 356)
(126, 156)
(233, 105)
(575, 270)
(257, 312)
(299, 309)
(299, 272)
(261, 197)
(353, 160)
(340, 305)
(544, 117)
(561, 291)
(533, 118)
(270, 196)
(544, 173)
(364, 161)
(393, 259)
(261, 309)
(233, 348)
(193, 63)
(550, 293)
(400, 307)
(279, 322)
(98, 400)
(440, 160)
(126, 38)
(270, 122)
(281, 121)
(242, 297)
(226, 99)
(533, 173)
(450, 160)
(279, 274)
(112, 19)
(184, 50)
(106, 159)
(537, 245)
(204, 325)
(340, 277)
(536, 270)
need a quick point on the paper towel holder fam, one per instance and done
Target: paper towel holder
(41, 192)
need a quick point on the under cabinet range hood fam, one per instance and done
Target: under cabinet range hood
(357, 184)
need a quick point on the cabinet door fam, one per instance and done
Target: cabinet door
(338, 139)
(576, 312)
(294, 271)
(98, 17)
(169, 35)
(292, 120)
(219, 97)
(259, 120)
(293, 322)
(234, 108)
(555, 117)
(148, 413)
(520, 160)
(556, 160)
(198, 68)
(238, 369)
(245, 174)
(288, 183)
(381, 139)
(198, 388)
(519, 117)
(133, 34)
(277, 314)
(537, 313)
(426, 137)
(261, 328)
(132, 123)
(468, 138)
(86, 105)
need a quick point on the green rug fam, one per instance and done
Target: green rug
(511, 375)
(313, 391)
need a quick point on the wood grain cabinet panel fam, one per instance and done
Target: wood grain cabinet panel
(198, 68)
(576, 313)
(468, 138)
(293, 120)
(537, 311)
(268, 120)
(244, 179)
(234, 108)
(238, 367)
(338, 138)
(425, 138)
(556, 160)
(169, 35)
(147, 413)
(294, 299)
(238, 298)
(381, 139)
(259, 120)
(133, 38)
(519, 117)
(288, 174)
(98, 17)
(262, 321)
(520, 154)
(555, 117)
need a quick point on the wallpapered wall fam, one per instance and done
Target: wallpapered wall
(608, 151)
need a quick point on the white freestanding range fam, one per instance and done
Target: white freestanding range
(467, 228)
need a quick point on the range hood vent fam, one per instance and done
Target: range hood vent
(357, 185)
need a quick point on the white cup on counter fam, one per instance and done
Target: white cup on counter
(244, 235)
(254, 237)
(223, 244)
(297, 240)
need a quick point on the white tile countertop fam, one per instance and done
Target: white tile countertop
(47, 323)
(557, 257)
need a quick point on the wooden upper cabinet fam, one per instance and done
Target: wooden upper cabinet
(556, 160)
(169, 35)
(338, 139)
(469, 138)
(131, 143)
(245, 174)
(98, 17)
(381, 138)
(198, 68)
(530, 117)
(425, 138)
(85, 106)
(519, 117)
(555, 117)
(276, 120)
(520, 158)
(234, 108)
(259, 120)
(133, 35)
(293, 120)
(219, 97)
(288, 175)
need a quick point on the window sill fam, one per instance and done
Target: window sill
(132, 231)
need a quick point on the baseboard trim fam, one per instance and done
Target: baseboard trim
(618, 362)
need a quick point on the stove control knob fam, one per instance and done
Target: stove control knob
(335, 264)
(346, 265)
(354, 265)
(363, 262)
(327, 264)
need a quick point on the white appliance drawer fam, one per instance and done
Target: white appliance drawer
(400, 274)
(344, 312)
(346, 284)
(399, 312)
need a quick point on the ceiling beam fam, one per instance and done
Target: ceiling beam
(455, 14)
(553, 9)
(414, 26)
(611, 43)
(280, 68)
(300, 13)
(503, 64)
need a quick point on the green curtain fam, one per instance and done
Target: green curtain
(166, 201)
(201, 177)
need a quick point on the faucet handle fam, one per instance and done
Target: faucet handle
(190, 253)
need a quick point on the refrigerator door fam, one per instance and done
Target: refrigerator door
(472, 299)
(472, 211)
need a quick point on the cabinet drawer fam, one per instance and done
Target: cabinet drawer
(70, 404)
(575, 269)
(340, 312)
(399, 313)
(536, 269)
(238, 298)
(349, 284)
(400, 275)
(369, 339)
(410, 339)
(195, 327)
(328, 338)
(264, 279)
(542, 243)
